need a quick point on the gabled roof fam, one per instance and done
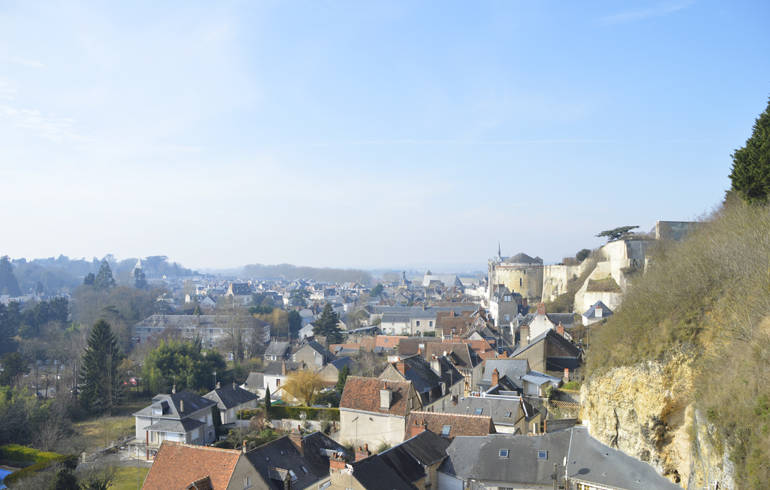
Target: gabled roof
(316, 448)
(172, 405)
(276, 367)
(230, 396)
(529, 461)
(457, 424)
(374, 473)
(504, 410)
(364, 394)
(550, 336)
(567, 320)
(513, 368)
(255, 381)
(459, 354)
(591, 312)
(281, 459)
(312, 344)
(427, 382)
(278, 349)
(177, 465)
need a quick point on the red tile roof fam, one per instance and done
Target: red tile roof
(364, 394)
(388, 341)
(177, 465)
(459, 424)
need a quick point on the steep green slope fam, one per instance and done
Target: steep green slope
(708, 298)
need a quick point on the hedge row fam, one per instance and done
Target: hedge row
(42, 460)
(16, 452)
(284, 412)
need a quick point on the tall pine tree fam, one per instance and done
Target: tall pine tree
(327, 325)
(104, 279)
(101, 388)
(8, 283)
(751, 164)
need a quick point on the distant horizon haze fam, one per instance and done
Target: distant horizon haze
(367, 135)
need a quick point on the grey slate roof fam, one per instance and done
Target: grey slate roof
(515, 369)
(566, 319)
(176, 426)
(274, 459)
(275, 367)
(316, 448)
(230, 396)
(255, 381)
(589, 460)
(172, 406)
(426, 382)
(374, 473)
(591, 312)
(505, 411)
(278, 349)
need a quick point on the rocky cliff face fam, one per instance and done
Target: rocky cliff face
(648, 412)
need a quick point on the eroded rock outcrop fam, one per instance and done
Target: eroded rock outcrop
(648, 412)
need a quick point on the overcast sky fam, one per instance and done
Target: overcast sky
(366, 134)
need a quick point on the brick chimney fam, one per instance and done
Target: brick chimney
(244, 447)
(401, 367)
(283, 368)
(418, 427)
(560, 330)
(566, 375)
(218, 385)
(296, 438)
(495, 377)
(336, 462)
(363, 452)
(181, 406)
(541, 308)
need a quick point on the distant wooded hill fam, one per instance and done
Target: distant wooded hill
(55, 274)
(320, 274)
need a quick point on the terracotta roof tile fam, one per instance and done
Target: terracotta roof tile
(459, 424)
(177, 466)
(364, 394)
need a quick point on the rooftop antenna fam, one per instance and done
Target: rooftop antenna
(499, 251)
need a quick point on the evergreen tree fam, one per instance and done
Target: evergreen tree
(295, 323)
(8, 283)
(750, 175)
(140, 281)
(101, 388)
(104, 279)
(89, 279)
(328, 326)
(267, 402)
(342, 378)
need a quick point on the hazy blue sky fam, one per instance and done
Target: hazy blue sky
(366, 134)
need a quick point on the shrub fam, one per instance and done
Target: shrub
(284, 412)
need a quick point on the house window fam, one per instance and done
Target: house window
(246, 482)
(430, 323)
(542, 454)
(478, 411)
(503, 453)
(521, 282)
(508, 414)
(445, 430)
(277, 382)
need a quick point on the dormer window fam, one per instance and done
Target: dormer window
(503, 453)
(445, 430)
(542, 455)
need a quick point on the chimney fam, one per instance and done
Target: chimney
(560, 329)
(283, 368)
(541, 308)
(173, 389)
(401, 367)
(296, 438)
(336, 462)
(244, 446)
(495, 377)
(418, 427)
(363, 452)
(524, 334)
(566, 375)
(386, 397)
(181, 405)
(235, 385)
(435, 365)
(218, 385)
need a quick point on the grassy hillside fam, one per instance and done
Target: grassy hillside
(708, 297)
